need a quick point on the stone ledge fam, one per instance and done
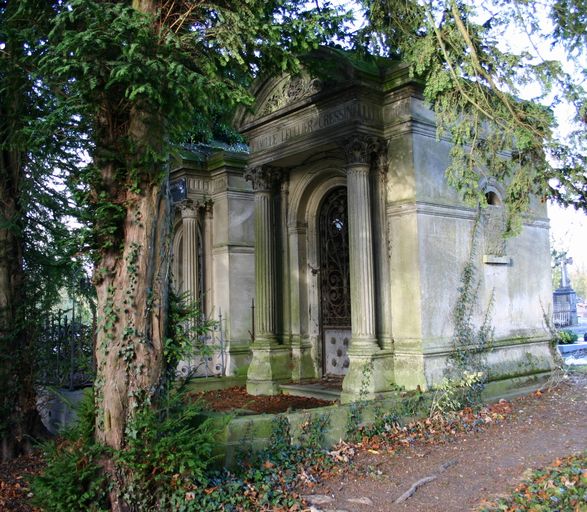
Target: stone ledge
(490, 259)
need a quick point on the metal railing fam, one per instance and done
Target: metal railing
(65, 350)
(209, 355)
(562, 318)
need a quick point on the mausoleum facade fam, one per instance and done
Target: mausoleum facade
(333, 245)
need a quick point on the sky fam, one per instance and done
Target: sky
(568, 231)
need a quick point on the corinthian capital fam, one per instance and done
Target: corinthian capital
(263, 177)
(360, 149)
(189, 209)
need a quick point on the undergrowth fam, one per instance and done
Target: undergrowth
(169, 464)
(561, 486)
(170, 456)
(73, 478)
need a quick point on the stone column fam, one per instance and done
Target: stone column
(370, 370)
(189, 218)
(358, 155)
(270, 362)
(263, 180)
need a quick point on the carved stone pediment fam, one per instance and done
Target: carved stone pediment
(288, 91)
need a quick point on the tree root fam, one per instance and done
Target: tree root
(414, 487)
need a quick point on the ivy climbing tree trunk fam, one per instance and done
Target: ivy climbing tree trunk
(132, 298)
(132, 280)
(138, 77)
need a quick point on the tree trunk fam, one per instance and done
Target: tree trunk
(132, 300)
(131, 276)
(16, 383)
(132, 282)
(20, 422)
(19, 419)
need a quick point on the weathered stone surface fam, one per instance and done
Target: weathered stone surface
(410, 237)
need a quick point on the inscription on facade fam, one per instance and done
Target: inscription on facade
(353, 111)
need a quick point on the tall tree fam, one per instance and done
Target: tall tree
(34, 251)
(474, 84)
(136, 74)
(17, 395)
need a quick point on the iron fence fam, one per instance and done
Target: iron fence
(65, 349)
(209, 354)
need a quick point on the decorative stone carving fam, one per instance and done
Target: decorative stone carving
(220, 184)
(360, 149)
(188, 209)
(381, 159)
(289, 91)
(263, 177)
(494, 220)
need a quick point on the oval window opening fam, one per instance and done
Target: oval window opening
(492, 199)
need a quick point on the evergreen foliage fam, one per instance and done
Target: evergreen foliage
(37, 244)
(474, 84)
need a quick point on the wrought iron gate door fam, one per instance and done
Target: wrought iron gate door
(335, 300)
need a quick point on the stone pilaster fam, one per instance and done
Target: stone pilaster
(208, 263)
(189, 220)
(381, 248)
(303, 367)
(270, 362)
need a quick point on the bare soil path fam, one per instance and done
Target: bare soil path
(470, 467)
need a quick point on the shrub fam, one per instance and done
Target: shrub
(168, 454)
(566, 337)
(73, 479)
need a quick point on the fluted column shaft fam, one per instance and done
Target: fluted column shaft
(358, 151)
(361, 255)
(264, 265)
(263, 180)
(189, 217)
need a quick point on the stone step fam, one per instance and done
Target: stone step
(578, 348)
(311, 391)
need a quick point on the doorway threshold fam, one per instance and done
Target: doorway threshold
(328, 388)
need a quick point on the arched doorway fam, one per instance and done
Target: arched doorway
(335, 297)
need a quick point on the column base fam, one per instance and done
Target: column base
(363, 346)
(369, 376)
(270, 367)
(238, 358)
(303, 367)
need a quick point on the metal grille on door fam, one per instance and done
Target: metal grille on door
(335, 304)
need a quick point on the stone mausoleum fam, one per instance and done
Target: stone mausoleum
(332, 244)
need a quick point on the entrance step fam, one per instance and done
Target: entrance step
(311, 391)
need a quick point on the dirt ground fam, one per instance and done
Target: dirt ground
(237, 398)
(469, 467)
